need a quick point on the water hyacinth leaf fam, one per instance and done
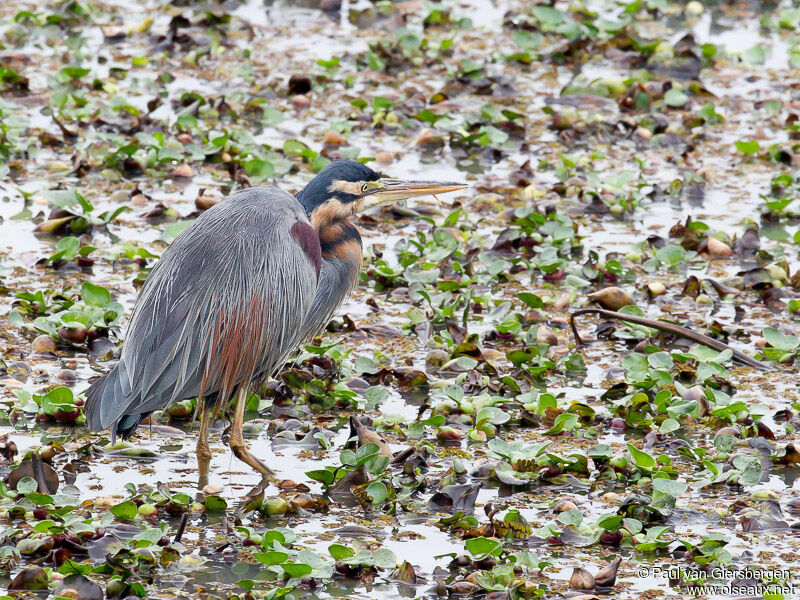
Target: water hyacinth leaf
(748, 147)
(610, 522)
(671, 254)
(70, 567)
(376, 394)
(384, 558)
(173, 230)
(95, 295)
(272, 557)
(669, 425)
(324, 476)
(752, 472)
(340, 552)
(481, 547)
(279, 536)
(757, 55)
(320, 568)
(669, 486)
(296, 570)
(215, 504)
(642, 459)
(491, 414)
(348, 458)
(531, 300)
(259, 169)
(572, 517)
(57, 399)
(633, 525)
(563, 422)
(125, 511)
(675, 97)
(377, 491)
(26, 485)
(660, 360)
(779, 340)
(526, 40)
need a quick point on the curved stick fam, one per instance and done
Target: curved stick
(740, 357)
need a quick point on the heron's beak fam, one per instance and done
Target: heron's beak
(394, 190)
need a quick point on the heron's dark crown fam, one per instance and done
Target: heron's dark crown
(324, 186)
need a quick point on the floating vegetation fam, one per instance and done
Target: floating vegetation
(634, 164)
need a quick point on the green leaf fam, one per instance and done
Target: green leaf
(675, 97)
(781, 341)
(377, 491)
(384, 558)
(259, 169)
(482, 547)
(340, 552)
(125, 511)
(531, 300)
(669, 487)
(173, 230)
(563, 422)
(297, 569)
(669, 425)
(491, 414)
(526, 40)
(376, 394)
(95, 295)
(322, 475)
(757, 55)
(274, 535)
(751, 147)
(660, 360)
(572, 517)
(27, 485)
(75, 72)
(272, 557)
(57, 399)
(215, 504)
(671, 254)
(642, 459)
(70, 567)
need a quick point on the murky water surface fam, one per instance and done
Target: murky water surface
(251, 58)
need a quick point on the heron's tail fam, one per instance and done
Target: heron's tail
(100, 401)
(106, 402)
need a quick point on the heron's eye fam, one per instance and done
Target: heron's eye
(364, 188)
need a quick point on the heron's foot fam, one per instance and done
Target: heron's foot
(236, 441)
(241, 452)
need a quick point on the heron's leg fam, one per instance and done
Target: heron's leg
(236, 441)
(203, 449)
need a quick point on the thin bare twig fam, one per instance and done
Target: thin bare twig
(740, 357)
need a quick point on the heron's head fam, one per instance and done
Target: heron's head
(347, 187)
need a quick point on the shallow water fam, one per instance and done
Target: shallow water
(284, 39)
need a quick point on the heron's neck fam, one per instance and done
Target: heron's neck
(340, 240)
(340, 243)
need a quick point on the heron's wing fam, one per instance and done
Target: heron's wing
(226, 301)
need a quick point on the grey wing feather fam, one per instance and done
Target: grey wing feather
(225, 302)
